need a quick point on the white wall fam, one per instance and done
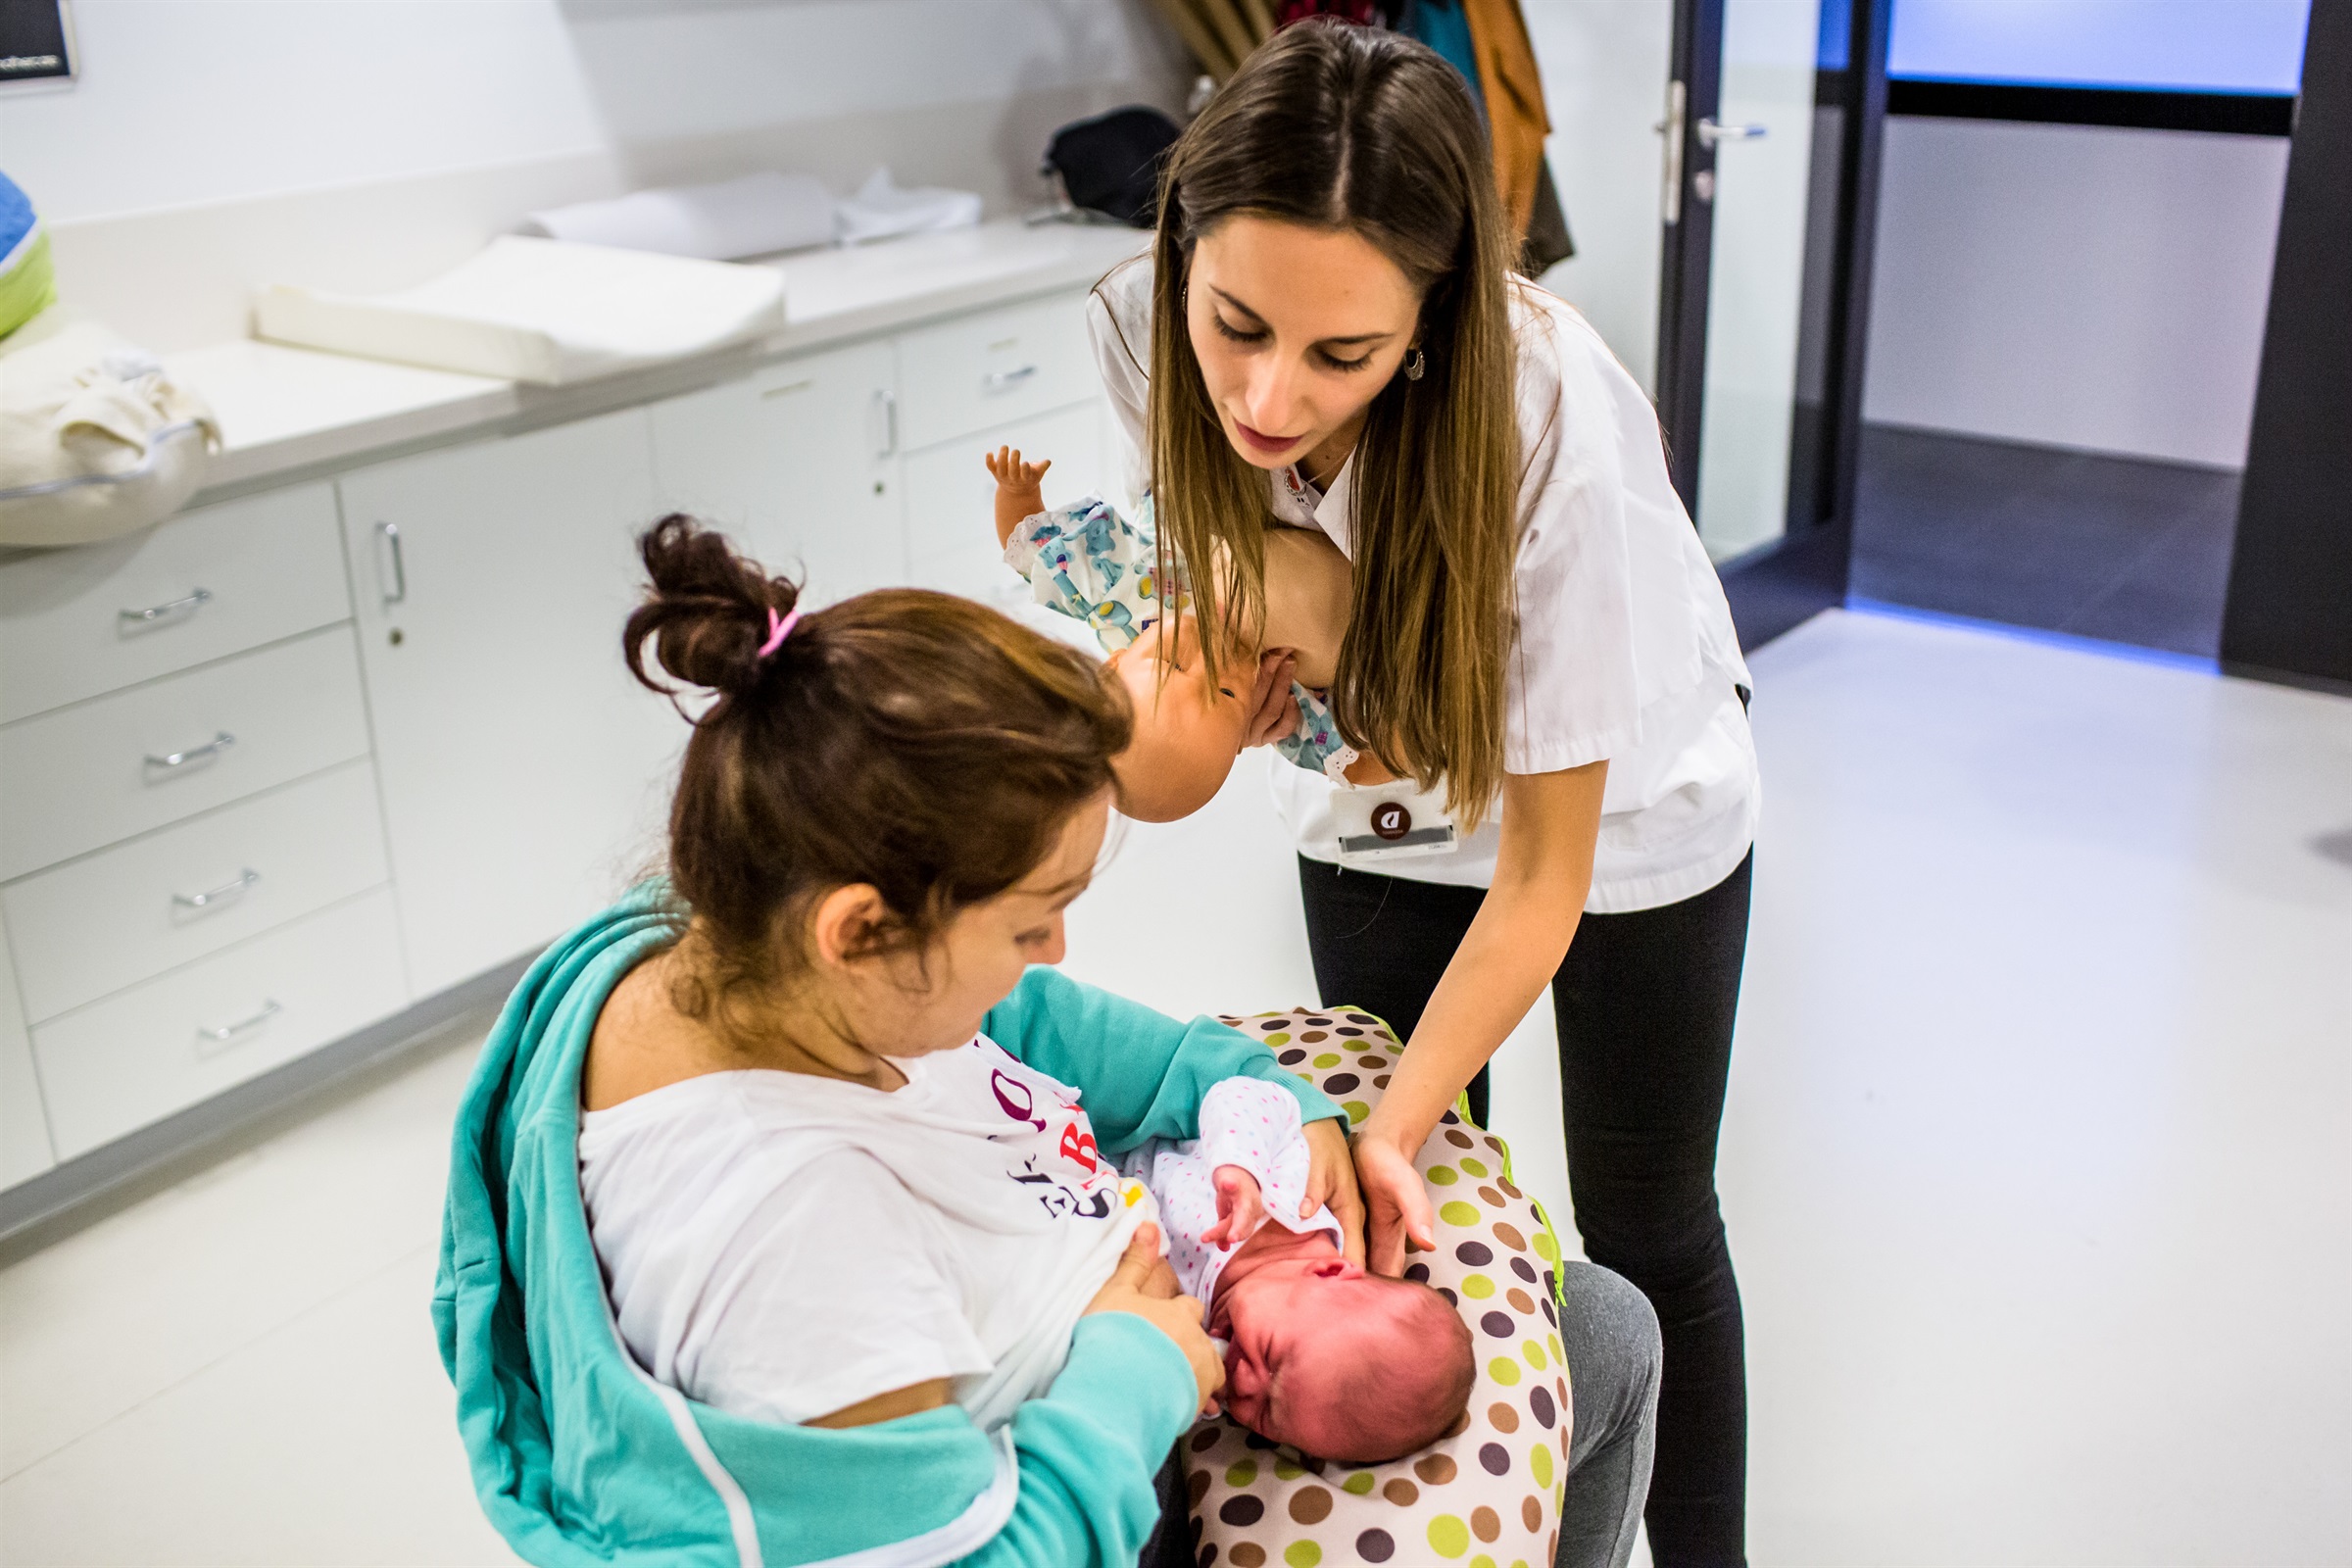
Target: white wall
(2074, 285)
(213, 146)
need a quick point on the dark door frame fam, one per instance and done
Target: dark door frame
(1804, 572)
(2288, 615)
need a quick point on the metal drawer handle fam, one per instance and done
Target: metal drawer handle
(1711, 131)
(887, 402)
(1007, 381)
(398, 592)
(211, 748)
(790, 387)
(229, 1031)
(223, 894)
(176, 608)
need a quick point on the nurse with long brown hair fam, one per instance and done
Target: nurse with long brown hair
(1328, 335)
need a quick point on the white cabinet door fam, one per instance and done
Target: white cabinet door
(24, 1150)
(525, 774)
(950, 501)
(799, 463)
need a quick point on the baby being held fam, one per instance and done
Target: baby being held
(1319, 1355)
(1088, 563)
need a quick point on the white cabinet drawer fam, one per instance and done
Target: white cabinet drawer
(145, 1052)
(950, 501)
(113, 919)
(211, 582)
(84, 776)
(992, 368)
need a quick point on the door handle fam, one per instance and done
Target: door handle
(886, 404)
(1007, 381)
(223, 894)
(1670, 195)
(174, 761)
(1710, 133)
(227, 1032)
(186, 604)
(388, 534)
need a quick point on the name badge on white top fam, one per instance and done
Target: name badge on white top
(1390, 822)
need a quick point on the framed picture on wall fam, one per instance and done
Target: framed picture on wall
(36, 43)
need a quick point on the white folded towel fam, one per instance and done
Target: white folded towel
(540, 311)
(880, 210)
(758, 215)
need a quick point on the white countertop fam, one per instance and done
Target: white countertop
(282, 409)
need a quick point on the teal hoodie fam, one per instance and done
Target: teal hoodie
(580, 1457)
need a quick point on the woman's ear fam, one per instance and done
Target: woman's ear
(846, 924)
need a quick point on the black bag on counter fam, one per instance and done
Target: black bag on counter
(1110, 164)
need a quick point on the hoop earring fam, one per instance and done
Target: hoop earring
(1416, 363)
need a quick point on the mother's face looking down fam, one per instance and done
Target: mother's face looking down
(1296, 329)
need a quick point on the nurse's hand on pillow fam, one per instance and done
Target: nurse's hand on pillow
(1241, 1207)
(1396, 1202)
(1144, 1286)
(1331, 1180)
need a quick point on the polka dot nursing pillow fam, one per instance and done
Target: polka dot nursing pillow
(1487, 1495)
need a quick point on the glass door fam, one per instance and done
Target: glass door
(1771, 129)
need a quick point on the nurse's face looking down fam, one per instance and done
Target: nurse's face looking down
(1296, 329)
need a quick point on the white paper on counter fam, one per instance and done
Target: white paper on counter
(758, 215)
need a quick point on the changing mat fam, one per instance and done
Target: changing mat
(539, 310)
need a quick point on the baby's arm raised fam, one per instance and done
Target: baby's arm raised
(1251, 1127)
(1020, 488)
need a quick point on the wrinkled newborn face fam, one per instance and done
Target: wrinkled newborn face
(1343, 1364)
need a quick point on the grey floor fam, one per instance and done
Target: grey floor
(2038, 1161)
(2120, 548)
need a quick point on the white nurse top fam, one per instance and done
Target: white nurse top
(1625, 646)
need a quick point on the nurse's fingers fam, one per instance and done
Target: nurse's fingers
(1272, 713)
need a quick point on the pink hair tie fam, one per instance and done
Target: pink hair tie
(777, 631)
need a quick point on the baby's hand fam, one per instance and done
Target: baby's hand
(1241, 1208)
(1021, 489)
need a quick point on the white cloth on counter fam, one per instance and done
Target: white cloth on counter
(880, 208)
(758, 215)
(96, 438)
(540, 311)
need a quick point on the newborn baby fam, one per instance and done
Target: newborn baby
(1088, 563)
(1319, 1355)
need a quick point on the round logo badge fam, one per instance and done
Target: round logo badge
(1391, 820)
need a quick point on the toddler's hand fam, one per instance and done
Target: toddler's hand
(1021, 489)
(1241, 1208)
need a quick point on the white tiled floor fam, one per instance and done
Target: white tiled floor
(2038, 1163)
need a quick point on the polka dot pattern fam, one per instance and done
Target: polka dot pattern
(1466, 1500)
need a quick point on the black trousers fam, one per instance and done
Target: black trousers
(1645, 1004)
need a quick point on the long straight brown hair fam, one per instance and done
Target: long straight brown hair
(1344, 127)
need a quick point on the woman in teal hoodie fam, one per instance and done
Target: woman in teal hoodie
(647, 1312)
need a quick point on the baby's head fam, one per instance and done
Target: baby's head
(1343, 1364)
(1188, 728)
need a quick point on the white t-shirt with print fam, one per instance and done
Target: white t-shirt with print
(782, 1246)
(1626, 647)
